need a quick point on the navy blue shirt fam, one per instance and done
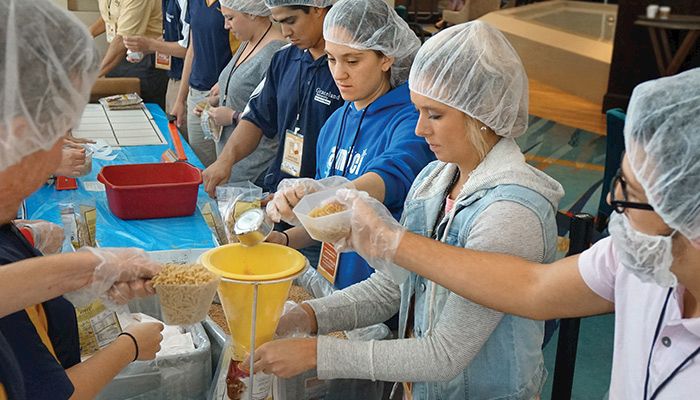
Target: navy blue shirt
(172, 32)
(212, 49)
(44, 377)
(10, 373)
(295, 84)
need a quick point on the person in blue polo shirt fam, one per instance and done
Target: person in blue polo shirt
(44, 89)
(170, 51)
(291, 104)
(207, 56)
(370, 140)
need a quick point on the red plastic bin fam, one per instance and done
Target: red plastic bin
(142, 191)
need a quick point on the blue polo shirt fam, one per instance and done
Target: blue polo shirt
(380, 138)
(212, 49)
(295, 84)
(44, 376)
(172, 32)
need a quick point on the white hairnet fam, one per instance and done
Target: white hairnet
(373, 25)
(310, 3)
(252, 7)
(473, 68)
(48, 63)
(662, 138)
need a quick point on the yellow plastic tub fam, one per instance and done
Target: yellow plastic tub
(269, 266)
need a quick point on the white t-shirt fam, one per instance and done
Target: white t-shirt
(638, 308)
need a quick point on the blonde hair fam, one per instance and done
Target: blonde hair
(476, 134)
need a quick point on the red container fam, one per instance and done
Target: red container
(141, 191)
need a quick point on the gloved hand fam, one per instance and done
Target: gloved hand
(120, 275)
(295, 321)
(374, 233)
(48, 237)
(291, 191)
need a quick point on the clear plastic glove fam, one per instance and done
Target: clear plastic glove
(48, 237)
(295, 321)
(148, 336)
(120, 275)
(223, 116)
(374, 233)
(73, 161)
(291, 191)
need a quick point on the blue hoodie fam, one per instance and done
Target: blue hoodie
(386, 145)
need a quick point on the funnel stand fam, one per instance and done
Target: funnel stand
(254, 318)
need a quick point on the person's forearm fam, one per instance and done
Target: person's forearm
(243, 141)
(186, 70)
(169, 48)
(504, 283)
(98, 27)
(298, 238)
(371, 183)
(115, 54)
(92, 375)
(35, 280)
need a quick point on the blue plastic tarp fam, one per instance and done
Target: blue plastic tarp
(150, 234)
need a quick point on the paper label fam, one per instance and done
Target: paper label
(293, 152)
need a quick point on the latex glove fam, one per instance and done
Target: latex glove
(374, 233)
(291, 191)
(286, 358)
(73, 161)
(48, 237)
(295, 321)
(138, 44)
(223, 116)
(120, 275)
(148, 337)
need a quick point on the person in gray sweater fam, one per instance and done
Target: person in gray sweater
(249, 21)
(471, 91)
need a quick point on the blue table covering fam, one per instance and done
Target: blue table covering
(150, 234)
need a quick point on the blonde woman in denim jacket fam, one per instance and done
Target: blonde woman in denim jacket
(480, 194)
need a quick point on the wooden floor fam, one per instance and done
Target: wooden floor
(555, 105)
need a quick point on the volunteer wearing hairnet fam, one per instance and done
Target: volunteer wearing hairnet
(45, 86)
(290, 105)
(370, 140)
(249, 20)
(470, 89)
(647, 271)
(208, 53)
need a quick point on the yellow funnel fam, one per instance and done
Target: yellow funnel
(272, 267)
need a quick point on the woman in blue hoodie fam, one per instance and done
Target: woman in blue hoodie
(370, 140)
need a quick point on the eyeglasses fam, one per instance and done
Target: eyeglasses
(620, 205)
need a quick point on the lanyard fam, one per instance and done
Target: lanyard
(354, 140)
(302, 95)
(651, 352)
(236, 64)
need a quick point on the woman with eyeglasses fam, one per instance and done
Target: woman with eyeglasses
(647, 271)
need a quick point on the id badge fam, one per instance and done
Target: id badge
(110, 31)
(328, 262)
(293, 151)
(163, 61)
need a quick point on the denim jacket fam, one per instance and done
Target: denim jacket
(510, 364)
